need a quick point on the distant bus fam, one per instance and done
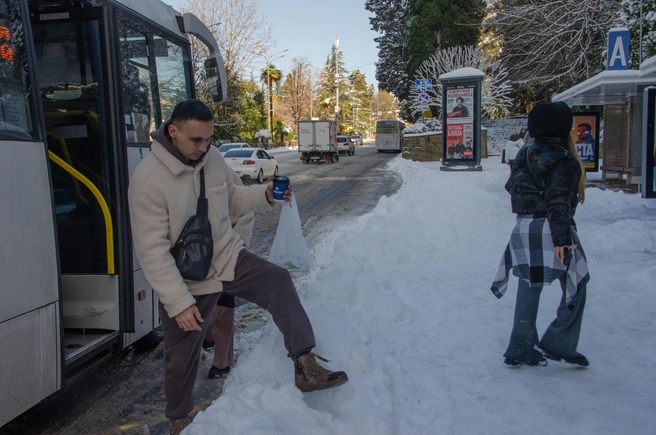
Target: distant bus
(389, 136)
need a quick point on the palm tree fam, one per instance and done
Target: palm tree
(269, 76)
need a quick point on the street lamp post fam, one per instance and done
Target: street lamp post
(337, 81)
(270, 59)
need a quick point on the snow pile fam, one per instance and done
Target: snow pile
(262, 133)
(424, 125)
(400, 300)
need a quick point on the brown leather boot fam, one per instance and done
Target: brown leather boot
(310, 376)
(177, 426)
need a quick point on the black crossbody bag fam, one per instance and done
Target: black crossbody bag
(194, 248)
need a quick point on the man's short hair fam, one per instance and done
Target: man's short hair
(191, 110)
(586, 125)
(460, 99)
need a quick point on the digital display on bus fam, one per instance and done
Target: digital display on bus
(6, 52)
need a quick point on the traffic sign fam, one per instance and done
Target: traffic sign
(423, 98)
(423, 85)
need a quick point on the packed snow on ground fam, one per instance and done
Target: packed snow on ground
(400, 300)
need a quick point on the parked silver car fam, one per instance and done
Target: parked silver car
(357, 139)
(231, 146)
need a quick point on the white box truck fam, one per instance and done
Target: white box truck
(317, 140)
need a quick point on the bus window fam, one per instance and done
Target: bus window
(171, 75)
(15, 107)
(137, 89)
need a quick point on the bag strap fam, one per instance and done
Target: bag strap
(201, 206)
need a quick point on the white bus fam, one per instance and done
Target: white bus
(389, 135)
(82, 84)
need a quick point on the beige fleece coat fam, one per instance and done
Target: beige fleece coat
(163, 194)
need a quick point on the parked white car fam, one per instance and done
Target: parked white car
(231, 146)
(252, 163)
(345, 145)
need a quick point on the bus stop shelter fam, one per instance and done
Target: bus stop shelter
(621, 95)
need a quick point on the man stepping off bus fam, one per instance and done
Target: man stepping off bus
(163, 195)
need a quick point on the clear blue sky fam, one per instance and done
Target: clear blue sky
(309, 27)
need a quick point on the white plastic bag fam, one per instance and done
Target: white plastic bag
(289, 249)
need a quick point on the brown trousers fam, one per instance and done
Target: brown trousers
(257, 281)
(221, 332)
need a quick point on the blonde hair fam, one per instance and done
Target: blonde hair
(580, 191)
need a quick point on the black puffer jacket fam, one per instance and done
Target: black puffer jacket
(547, 186)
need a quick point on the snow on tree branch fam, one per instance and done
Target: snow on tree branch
(561, 42)
(496, 87)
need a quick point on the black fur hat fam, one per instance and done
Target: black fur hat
(550, 119)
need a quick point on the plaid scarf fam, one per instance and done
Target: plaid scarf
(530, 256)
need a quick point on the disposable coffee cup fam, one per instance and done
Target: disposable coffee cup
(280, 184)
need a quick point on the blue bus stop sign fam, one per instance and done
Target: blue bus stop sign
(618, 49)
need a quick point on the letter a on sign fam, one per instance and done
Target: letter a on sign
(618, 49)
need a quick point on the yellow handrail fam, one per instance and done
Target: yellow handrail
(76, 185)
(109, 232)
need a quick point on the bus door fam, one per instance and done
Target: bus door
(72, 63)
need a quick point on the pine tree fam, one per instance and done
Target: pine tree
(328, 84)
(391, 69)
(360, 100)
(434, 25)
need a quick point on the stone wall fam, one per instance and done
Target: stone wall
(423, 147)
(427, 147)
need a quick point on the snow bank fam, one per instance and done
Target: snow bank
(400, 300)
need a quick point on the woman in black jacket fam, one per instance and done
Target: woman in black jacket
(546, 183)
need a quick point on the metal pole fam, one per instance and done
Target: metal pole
(337, 81)
(640, 55)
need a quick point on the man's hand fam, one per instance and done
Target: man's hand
(287, 194)
(187, 320)
(559, 251)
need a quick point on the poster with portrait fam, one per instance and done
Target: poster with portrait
(460, 122)
(460, 104)
(585, 132)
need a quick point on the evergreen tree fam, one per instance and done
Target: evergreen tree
(434, 25)
(630, 15)
(392, 70)
(360, 100)
(328, 84)
(242, 114)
